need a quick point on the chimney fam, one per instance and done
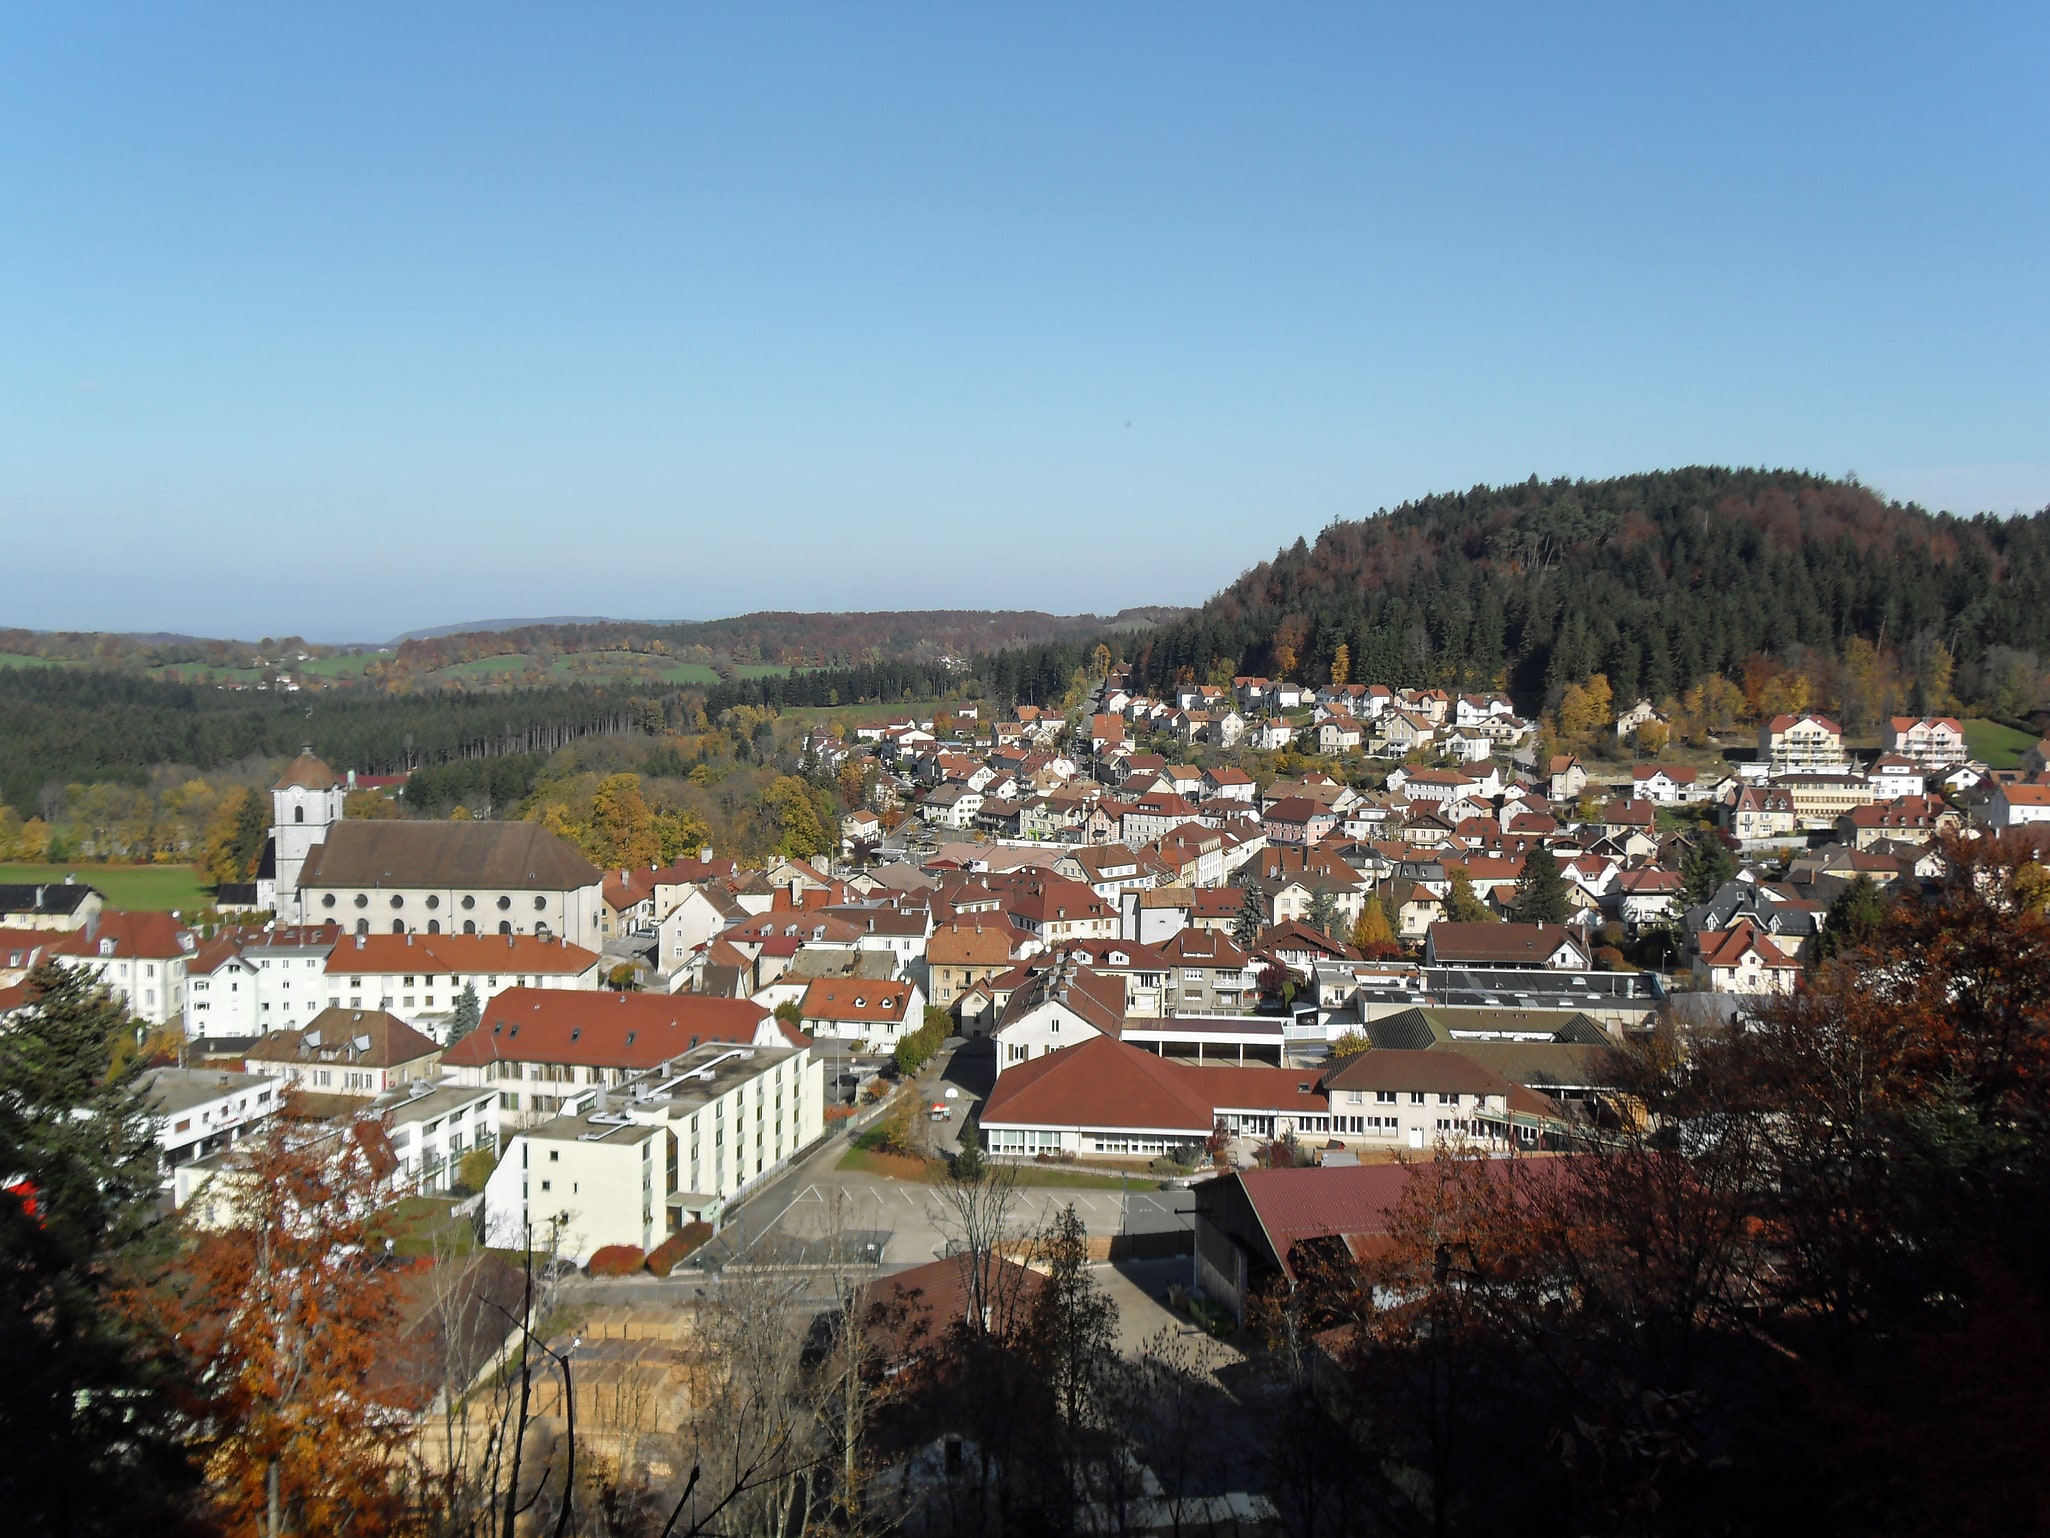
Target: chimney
(360, 941)
(409, 937)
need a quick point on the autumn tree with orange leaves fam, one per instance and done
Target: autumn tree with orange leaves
(287, 1315)
(1796, 1277)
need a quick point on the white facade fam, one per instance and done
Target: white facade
(199, 1112)
(666, 1149)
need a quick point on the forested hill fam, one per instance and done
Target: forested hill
(1656, 580)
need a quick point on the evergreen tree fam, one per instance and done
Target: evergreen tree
(1855, 915)
(469, 1011)
(1706, 867)
(91, 1447)
(1323, 916)
(1541, 891)
(1252, 918)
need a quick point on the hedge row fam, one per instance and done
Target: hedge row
(917, 1049)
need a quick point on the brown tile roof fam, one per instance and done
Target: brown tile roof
(966, 943)
(1100, 1083)
(1094, 998)
(606, 1030)
(1497, 944)
(329, 1037)
(1344, 1202)
(512, 856)
(459, 953)
(1433, 1070)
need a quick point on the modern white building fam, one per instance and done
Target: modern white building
(201, 1111)
(633, 1164)
(432, 1126)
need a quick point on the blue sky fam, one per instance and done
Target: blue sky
(347, 320)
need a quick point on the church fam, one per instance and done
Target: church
(457, 878)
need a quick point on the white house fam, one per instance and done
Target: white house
(1057, 1006)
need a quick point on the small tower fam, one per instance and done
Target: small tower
(304, 805)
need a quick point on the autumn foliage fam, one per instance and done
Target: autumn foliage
(616, 1260)
(287, 1320)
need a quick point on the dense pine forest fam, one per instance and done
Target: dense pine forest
(1655, 580)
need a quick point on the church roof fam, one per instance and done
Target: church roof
(511, 856)
(308, 773)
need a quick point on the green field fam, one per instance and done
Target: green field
(1996, 746)
(604, 667)
(17, 660)
(133, 888)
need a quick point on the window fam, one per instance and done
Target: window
(504, 903)
(540, 904)
(504, 928)
(362, 900)
(469, 926)
(1444, 1099)
(433, 902)
(298, 814)
(1416, 1097)
(398, 926)
(554, 1156)
(469, 902)
(325, 902)
(1385, 1096)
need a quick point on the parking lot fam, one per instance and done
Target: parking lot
(901, 1223)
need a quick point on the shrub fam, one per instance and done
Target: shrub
(476, 1168)
(663, 1258)
(1609, 959)
(616, 1260)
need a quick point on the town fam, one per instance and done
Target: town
(1118, 942)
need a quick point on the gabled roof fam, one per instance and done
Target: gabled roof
(511, 856)
(860, 1000)
(1099, 1083)
(607, 1030)
(1499, 944)
(1349, 1202)
(331, 1037)
(128, 936)
(1097, 1000)
(459, 953)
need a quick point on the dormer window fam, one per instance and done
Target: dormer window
(106, 947)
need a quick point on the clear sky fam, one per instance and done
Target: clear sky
(345, 320)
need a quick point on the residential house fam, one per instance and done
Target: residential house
(1760, 813)
(1929, 742)
(1801, 742)
(49, 905)
(1665, 784)
(2016, 806)
(1744, 960)
(967, 951)
(141, 957)
(1908, 820)
(862, 1010)
(354, 1052)
(1057, 1006)
(1551, 946)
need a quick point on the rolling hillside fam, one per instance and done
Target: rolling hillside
(1656, 580)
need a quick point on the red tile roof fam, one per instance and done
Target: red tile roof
(607, 1030)
(150, 936)
(862, 1000)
